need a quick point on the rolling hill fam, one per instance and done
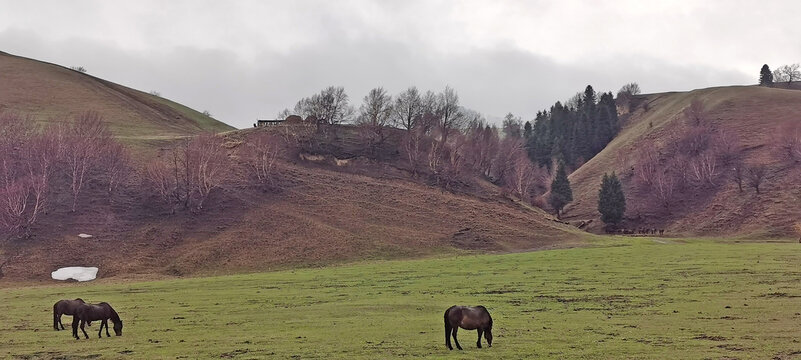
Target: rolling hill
(756, 115)
(323, 213)
(52, 93)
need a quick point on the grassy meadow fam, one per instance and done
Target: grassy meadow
(624, 298)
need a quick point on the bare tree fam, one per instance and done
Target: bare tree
(408, 109)
(452, 164)
(522, 176)
(449, 113)
(626, 94)
(164, 181)
(631, 88)
(429, 118)
(261, 156)
(646, 163)
(663, 186)
(27, 162)
(788, 73)
(755, 176)
(789, 141)
(414, 149)
(482, 145)
(330, 106)
(85, 140)
(208, 166)
(115, 164)
(187, 175)
(509, 150)
(374, 117)
(705, 166)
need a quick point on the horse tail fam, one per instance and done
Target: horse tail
(55, 316)
(447, 328)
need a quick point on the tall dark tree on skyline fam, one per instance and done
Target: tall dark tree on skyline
(765, 76)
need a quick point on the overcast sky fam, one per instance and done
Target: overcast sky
(243, 60)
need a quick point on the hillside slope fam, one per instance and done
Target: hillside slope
(755, 115)
(53, 93)
(321, 216)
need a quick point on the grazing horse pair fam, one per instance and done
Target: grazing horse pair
(65, 307)
(103, 312)
(468, 318)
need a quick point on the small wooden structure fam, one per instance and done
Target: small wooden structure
(268, 122)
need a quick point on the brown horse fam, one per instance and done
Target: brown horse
(468, 318)
(102, 312)
(65, 307)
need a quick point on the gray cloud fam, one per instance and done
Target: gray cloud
(243, 71)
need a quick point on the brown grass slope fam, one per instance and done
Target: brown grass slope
(755, 114)
(323, 214)
(51, 93)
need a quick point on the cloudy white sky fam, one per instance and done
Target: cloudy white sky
(246, 59)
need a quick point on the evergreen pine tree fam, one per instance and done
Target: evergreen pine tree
(527, 130)
(561, 194)
(611, 201)
(765, 76)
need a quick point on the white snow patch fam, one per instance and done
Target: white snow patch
(84, 236)
(75, 272)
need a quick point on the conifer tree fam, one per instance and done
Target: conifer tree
(611, 201)
(561, 194)
(527, 130)
(765, 76)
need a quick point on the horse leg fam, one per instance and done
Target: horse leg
(100, 331)
(478, 343)
(84, 330)
(75, 327)
(455, 340)
(105, 322)
(59, 322)
(448, 335)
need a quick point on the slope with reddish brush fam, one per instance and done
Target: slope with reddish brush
(764, 123)
(323, 213)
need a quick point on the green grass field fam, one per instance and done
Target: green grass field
(626, 298)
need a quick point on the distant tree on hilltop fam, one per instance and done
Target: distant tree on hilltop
(765, 76)
(329, 106)
(787, 73)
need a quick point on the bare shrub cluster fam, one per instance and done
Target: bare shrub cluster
(31, 158)
(699, 154)
(186, 175)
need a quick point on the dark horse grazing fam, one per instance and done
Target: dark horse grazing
(468, 318)
(102, 312)
(65, 307)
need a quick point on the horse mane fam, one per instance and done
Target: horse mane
(114, 316)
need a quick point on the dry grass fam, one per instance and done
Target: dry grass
(753, 113)
(323, 214)
(52, 93)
